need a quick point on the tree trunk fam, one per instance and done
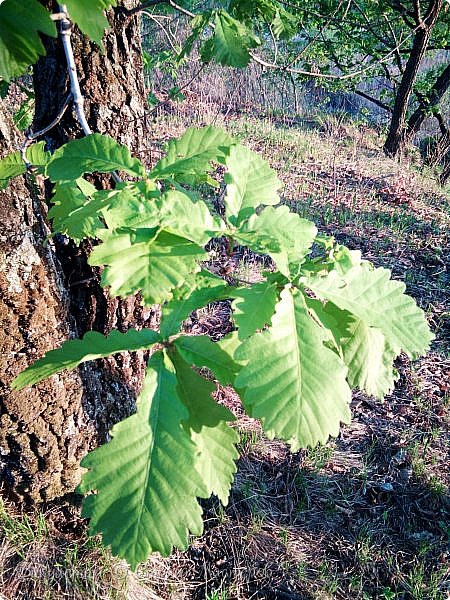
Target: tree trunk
(438, 90)
(45, 432)
(397, 129)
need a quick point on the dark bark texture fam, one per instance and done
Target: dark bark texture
(44, 431)
(397, 128)
(47, 430)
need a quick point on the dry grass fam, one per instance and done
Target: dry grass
(363, 517)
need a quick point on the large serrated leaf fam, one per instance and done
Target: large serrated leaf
(192, 153)
(182, 216)
(79, 216)
(364, 349)
(201, 351)
(208, 429)
(282, 234)
(145, 260)
(144, 479)
(21, 21)
(73, 213)
(198, 291)
(230, 43)
(251, 182)
(134, 205)
(12, 165)
(93, 153)
(253, 307)
(293, 382)
(92, 346)
(89, 16)
(380, 302)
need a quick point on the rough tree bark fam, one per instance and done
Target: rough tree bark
(397, 128)
(49, 295)
(43, 431)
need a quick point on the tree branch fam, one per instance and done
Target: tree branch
(375, 101)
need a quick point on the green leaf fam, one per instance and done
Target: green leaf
(73, 213)
(20, 42)
(144, 479)
(254, 307)
(93, 153)
(12, 165)
(293, 382)
(192, 153)
(79, 217)
(284, 25)
(145, 260)
(198, 291)
(364, 349)
(23, 117)
(74, 352)
(208, 429)
(231, 42)
(285, 236)
(89, 16)
(380, 302)
(250, 183)
(345, 259)
(201, 351)
(182, 216)
(133, 203)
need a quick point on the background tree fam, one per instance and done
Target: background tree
(392, 54)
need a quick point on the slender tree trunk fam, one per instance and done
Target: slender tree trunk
(397, 129)
(438, 91)
(45, 432)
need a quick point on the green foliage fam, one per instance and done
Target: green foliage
(284, 236)
(380, 302)
(284, 24)
(145, 479)
(202, 352)
(320, 322)
(199, 289)
(250, 183)
(76, 210)
(189, 157)
(207, 426)
(74, 352)
(253, 307)
(89, 16)
(151, 261)
(23, 117)
(231, 42)
(293, 359)
(12, 165)
(21, 21)
(94, 152)
(293, 382)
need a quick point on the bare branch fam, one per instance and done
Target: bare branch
(163, 29)
(373, 100)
